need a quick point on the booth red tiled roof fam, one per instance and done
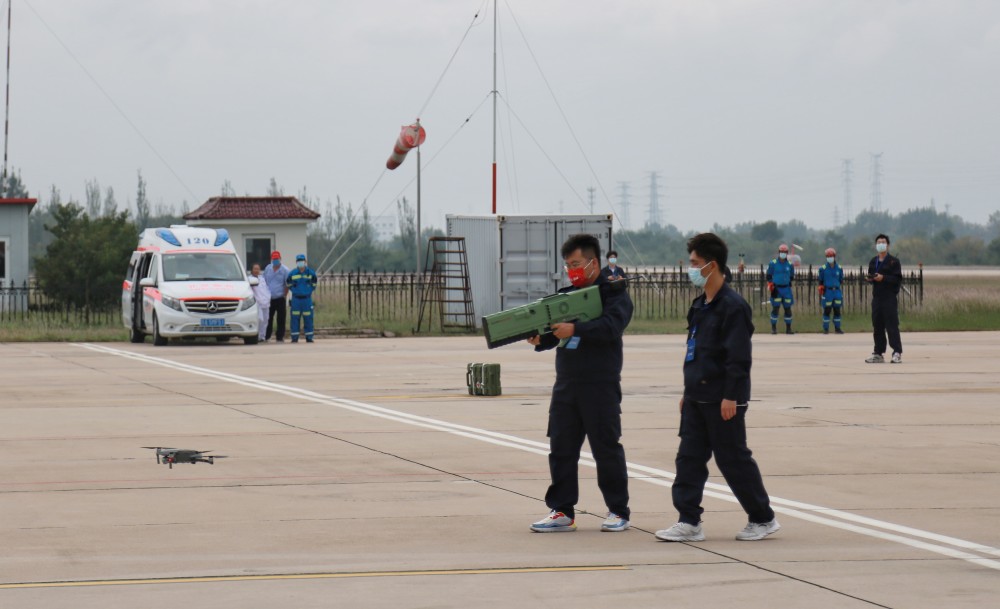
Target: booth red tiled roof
(28, 202)
(252, 208)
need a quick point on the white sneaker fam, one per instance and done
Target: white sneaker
(876, 358)
(758, 530)
(555, 522)
(614, 523)
(897, 358)
(681, 531)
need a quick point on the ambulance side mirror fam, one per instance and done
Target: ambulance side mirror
(147, 282)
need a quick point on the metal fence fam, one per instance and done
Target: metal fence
(667, 293)
(27, 302)
(369, 297)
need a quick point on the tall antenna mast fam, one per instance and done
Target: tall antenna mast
(6, 114)
(494, 107)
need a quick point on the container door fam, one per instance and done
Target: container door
(527, 249)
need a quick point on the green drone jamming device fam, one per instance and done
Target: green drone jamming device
(537, 317)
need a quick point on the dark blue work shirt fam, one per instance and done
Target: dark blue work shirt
(597, 354)
(720, 366)
(892, 276)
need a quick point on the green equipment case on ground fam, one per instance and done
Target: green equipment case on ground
(483, 379)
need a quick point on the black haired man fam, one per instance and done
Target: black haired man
(587, 395)
(886, 276)
(714, 406)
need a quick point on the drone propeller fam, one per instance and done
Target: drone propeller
(159, 451)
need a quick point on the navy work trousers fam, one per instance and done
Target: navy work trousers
(885, 321)
(278, 307)
(591, 410)
(704, 433)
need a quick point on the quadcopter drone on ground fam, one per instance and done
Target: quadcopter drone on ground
(169, 456)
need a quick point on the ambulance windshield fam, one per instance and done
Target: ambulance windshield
(202, 267)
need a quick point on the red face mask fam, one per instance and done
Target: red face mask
(578, 276)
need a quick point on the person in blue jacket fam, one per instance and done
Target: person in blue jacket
(587, 395)
(831, 277)
(780, 274)
(613, 272)
(302, 283)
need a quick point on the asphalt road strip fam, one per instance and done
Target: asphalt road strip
(951, 547)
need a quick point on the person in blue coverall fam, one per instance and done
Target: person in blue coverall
(831, 277)
(302, 283)
(587, 395)
(780, 274)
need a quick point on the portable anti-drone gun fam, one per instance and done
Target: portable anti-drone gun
(537, 317)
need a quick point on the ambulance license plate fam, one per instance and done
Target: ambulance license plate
(217, 321)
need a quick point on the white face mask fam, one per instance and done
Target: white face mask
(881, 247)
(782, 255)
(830, 259)
(612, 261)
(694, 274)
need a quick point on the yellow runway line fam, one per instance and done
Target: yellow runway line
(243, 578)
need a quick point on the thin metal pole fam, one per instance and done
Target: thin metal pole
(417, 236)
(6, 114)
(494, 107)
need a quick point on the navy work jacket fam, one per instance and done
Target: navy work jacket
(597, 355)
(892, 276)
(720, 366)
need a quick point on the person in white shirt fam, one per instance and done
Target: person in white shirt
(262, 294)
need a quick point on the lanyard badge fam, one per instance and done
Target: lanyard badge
(689, 357)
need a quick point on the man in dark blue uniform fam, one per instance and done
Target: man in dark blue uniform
(780, 274)
(302, 283)
(586, 397)
(885, 273)
(613, 272)
(714, 406)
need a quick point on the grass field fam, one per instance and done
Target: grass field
(950, 305)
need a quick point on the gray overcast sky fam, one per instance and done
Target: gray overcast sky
(746, 108)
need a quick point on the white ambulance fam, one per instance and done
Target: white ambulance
(185, 281)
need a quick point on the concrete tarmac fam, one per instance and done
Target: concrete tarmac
(360, 473)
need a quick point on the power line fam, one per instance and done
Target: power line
(623, 205)
(112, 101)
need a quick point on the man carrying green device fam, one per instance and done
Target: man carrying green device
(586, 397)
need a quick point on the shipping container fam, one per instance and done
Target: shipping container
(514, 260)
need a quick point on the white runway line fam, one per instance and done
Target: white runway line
(940, 544)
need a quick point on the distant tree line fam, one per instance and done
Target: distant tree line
(922, 235)
(79, 249)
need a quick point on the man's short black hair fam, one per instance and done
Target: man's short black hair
(612, 253)
(588, 245)
(710, 247)
(881, 236)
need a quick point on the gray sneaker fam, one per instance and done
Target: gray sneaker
(897, 358)
(876, 358)
(614, 523)
(681, 531)
(758, 530)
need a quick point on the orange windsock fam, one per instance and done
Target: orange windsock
(410, 137)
